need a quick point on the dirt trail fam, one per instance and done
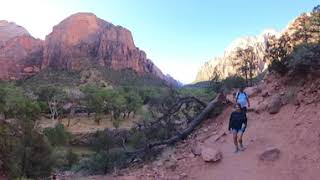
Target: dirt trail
(296, 136)
(294, 131)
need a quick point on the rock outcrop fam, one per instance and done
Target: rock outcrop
(83, 40)
(79, 42)
(20, 55)
(10, 30)
(224, 65)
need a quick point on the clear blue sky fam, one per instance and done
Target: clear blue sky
(178, 35)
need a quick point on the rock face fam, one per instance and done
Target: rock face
(294, 32)
(79, 42)
(20, 53)
(83, 40)
(10, 30)
(224, 65)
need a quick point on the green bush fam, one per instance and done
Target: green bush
(278, 66)
(102, 162)
(136, 139)
(65, 158)
(205, 94)
(31, 157)
(57, 136)
(102, 141)
(304, 59)
(72, 158)
(228, 84)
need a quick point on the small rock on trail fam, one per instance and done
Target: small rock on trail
(210, 155)
(196, 149)
(275, 105)
(271, 154)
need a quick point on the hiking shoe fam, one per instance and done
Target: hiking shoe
(242, 148)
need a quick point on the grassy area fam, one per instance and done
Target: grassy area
(82, 151)
(202, 93)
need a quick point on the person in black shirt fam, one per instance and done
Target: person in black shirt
(237, 125)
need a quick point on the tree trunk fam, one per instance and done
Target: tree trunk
(194, 123)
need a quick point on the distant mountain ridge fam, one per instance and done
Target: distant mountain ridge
(303, 29)
(9, 30)
(224, 64)
(296, 32)
(79, 42)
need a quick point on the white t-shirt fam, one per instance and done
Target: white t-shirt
(242, 99)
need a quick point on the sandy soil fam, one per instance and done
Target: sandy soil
(83, 123)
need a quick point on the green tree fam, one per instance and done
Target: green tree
(54, 98)
(57, 136)
(133, 102)
(315, 24)
(26, 153)
(246, 63)
(95, 98)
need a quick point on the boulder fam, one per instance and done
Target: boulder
(252, 91)
(172, 165)
(265, 94)
(196, 149)
(275, 104)
(261, 107)
(210, 154)
(270, 154)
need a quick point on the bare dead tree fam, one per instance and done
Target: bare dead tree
(195, 122)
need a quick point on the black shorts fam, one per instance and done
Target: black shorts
(244, 109)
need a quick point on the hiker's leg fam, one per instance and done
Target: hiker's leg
(240, 139)
(235, 139)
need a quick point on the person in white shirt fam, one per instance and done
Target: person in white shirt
(242, 99)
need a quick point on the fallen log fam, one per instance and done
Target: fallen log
(193, 124)
(175, 108)
(219, 100)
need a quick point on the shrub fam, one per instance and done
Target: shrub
(205, 94)
(136, 139)
(278, 66)
(103, 162)
(57, 136)
(305, 58)
(72, 158)
(102, 141)
(227, 84)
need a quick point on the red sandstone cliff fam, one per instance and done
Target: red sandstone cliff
(20, 53)
(78, 42)
(83, 40)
